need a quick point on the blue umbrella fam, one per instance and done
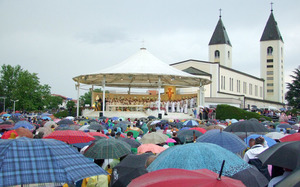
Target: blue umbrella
(114, 118)
(6, 115)
(190, 123)
(184, 128)
(199, 156)
(32, 161)
(46, 117)
(226, 140)
(24, 124)
(269, 141)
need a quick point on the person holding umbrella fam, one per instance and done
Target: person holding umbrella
(251, 156)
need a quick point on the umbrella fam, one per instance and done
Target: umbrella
(190, 123)
(114, 118)
(70, 136)
(45, 130)
(154, 137)
(284, 126)
(170, 140)
(183, 178)
(32, 161)
(275, 135)
(188, 135)
(64, 127)
(107, 148)
(251, 177)
(46, 117)
(132, 143)
(151, 117)
(226, 140)
(290, 137)
(96, 126)
(150, 148)
(123, 125)
(97, 134)
(291, 180)
(135, 133)
(246, 126)
(24, 124)
(23, 132)
(199, 129)
(155, 122)
(199, 156)
(211, 127)
(284, 154)
(6, 115)
(12, 134)
(50, 123)
(84, 128)
(131, 167)
(6, 126)
(269, 141)
(65, 121)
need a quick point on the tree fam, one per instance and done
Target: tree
(20, 85)
(53, 102)
(87, 97)
(292, 96)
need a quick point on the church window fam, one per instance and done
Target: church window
(270, 60)
(228, 54)
(281, 51)
(260, 91)
(270, 78)
(250, 89)
(270, 51)
(270, 91)
(256, 90)
(270, 84)
(270, 73)
(217, 54)
(244, 87)
(269, 66)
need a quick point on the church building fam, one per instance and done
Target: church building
(236, 88)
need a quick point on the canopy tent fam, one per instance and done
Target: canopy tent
(142, 70)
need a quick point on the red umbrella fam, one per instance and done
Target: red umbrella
(182, 178)
(291, 137)
(97, 134)
(12, 134)
(70, 136)
(198, 129)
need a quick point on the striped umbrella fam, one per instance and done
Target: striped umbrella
(190, 123)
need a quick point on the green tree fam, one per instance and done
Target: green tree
(292, 96)
(87, 97)
(24, 87)
(53, 102)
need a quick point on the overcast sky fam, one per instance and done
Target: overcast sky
(61, 39)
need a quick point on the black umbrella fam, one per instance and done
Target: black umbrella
(284, 154)
(188, 135)
(131, 167)
(251, 177)
(123, 125)
(291, 180)
(151, 117)
(132, 143)
(96, 126)
(246, 126)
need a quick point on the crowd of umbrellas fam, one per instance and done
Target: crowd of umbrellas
(58, 151)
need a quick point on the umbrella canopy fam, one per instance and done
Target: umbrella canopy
(251, 177)
(32, 161)
(284, 126)
(199, 129)
(123, 125)
(226, 140)
(107, 148)
(151, 117)
(290, 137)
(183, 178)
(154, 138)
(97, 134)
(84, 128)
(6, 126)
(150, 148)
(50, 123)
(12, 134)
(190, 123)
(24, 124)
(291, 180)
(269, 141)
(275, 135)
(45, 130)
(132, 143)
(284, 154)
(131, 167)
(246, 126)
(95, 126)
(199, 156)
(23, 132)
(65, 122)
(67, 127)
(70, 136)
(135, 133)
(170, 140)
(188, 135)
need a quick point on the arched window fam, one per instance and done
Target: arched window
(217, 54)
(270, 51)
(228, 54)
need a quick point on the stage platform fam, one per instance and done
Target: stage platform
(137, 114)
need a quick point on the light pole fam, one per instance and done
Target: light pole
(3, 103)
(15, 104)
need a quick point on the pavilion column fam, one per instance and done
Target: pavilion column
(92, 99)
(201, 97)
(103, 97)
(77, 86)
(159, 87)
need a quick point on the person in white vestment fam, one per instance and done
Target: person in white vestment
(173, 107)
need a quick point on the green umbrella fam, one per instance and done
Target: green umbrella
(154, 137)
(135, 133)
(107, 148)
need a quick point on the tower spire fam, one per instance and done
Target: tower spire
(271, 6)
(220, 12)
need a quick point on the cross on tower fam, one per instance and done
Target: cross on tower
(220, 12)
(272, 6)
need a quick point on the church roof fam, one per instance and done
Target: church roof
(195, 71)
(271, 31)
(220, 35)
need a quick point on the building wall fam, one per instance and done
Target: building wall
(272, 70)
(225, 58)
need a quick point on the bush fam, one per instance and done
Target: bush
(231, 112)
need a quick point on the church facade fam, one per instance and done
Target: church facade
(233, 87)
